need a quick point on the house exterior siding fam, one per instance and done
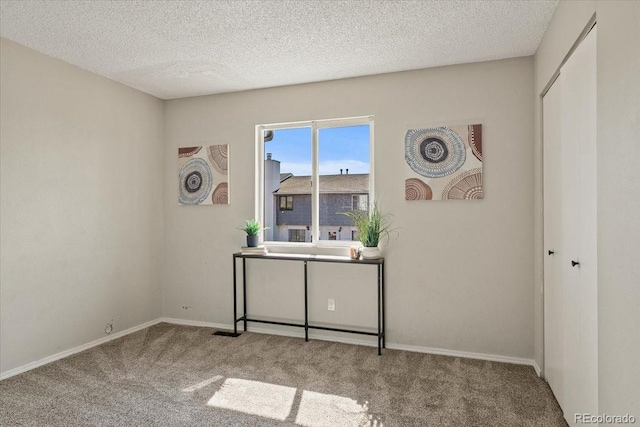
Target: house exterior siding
(299, 215)
(330, 207)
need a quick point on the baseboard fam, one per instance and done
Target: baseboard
(258, 330)
(315, 335)
(392, 346)
(83, 347)
(537, 368)
(465, 354)
(195, 323)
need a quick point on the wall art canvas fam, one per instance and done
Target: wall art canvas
(444, 163)
(203, 175)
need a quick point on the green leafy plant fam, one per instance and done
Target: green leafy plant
(252, 227)
(372, 225)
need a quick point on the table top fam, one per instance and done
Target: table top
(310, 257)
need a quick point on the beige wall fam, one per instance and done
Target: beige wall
(618, 175)
(459, 276)
(81, 206)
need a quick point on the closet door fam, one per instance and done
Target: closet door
(553, 291)
(579, 230)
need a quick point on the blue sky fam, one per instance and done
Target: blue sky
(344, 147)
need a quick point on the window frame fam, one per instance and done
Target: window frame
(286, 203)
(316, 126)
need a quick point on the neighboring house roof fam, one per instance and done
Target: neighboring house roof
(284, 176)
(354, 183)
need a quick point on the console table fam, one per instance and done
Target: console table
(305, 259)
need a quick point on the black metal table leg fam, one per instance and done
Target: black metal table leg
(379, 312)
(306, 309)
(384, 330)
(244, 291)
(235, 299)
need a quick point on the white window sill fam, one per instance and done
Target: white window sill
(337, 248)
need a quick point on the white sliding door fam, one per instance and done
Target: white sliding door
(570, 232)
(579, 225)
(553, 291)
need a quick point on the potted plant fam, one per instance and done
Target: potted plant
(252, 228)
(372, 226)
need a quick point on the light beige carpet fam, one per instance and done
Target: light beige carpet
(170, 375)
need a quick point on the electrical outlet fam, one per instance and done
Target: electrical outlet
(332, 305)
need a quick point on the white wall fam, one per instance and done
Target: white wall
(459, 276)
(81, 206)
(618, 176)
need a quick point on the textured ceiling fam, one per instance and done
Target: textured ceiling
(174, 49)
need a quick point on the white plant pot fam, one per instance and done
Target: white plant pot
(371, 253)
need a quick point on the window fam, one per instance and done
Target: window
(286, 203)
(355, 235)
(325, 165)
(360, 202)
(297, 235)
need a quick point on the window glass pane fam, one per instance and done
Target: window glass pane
(360, 202)
(286, 203)
(287, 184)
(343, 160)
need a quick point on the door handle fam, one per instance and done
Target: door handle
(551, 252)
(574, 263)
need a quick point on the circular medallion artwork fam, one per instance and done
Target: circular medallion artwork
(475, 140)
(416, 189)
(219, 157)
(467, 185)
(195, 182)
(434, 152)
(188, 151)
(220, 195)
